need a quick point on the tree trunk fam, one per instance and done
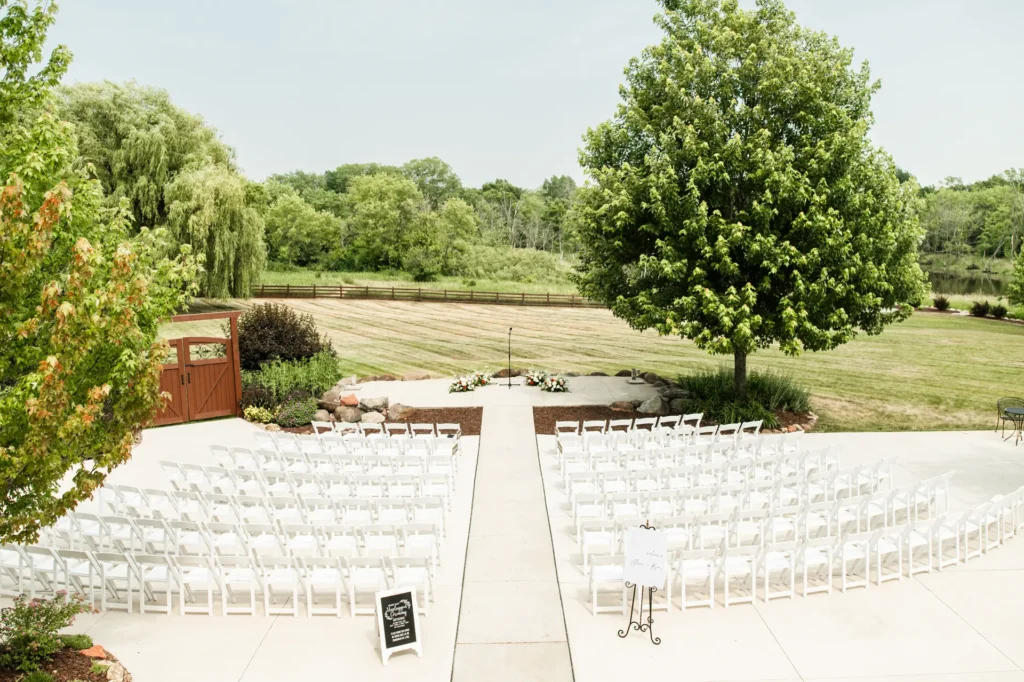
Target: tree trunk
(739, 378)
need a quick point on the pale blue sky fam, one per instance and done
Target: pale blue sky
(506, 89)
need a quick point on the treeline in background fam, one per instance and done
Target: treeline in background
(167, 168)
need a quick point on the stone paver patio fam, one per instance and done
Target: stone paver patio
(511, 602)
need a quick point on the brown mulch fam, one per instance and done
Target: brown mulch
(544, 418)
(66, 665)
(467, 417)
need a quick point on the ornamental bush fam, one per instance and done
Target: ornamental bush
(941, 303)
(274, 332)
(980, 308)
(998, 311)
(280, 379)
(28, 629)
(259, 415)
(710, 391)
(296, 412)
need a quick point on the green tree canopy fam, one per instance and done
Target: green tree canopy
(80, 303)
(735, 198)
(218, 213)
(299, 234)
(435, 179)
(139, 142)
(385, 209)
(439, 240)
(338, 180)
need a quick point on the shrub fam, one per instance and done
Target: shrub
(502, 263)
(260, 415)
(980, 308)
(272, 332)
(76, 642)
(941, 303)
(998, 311)
(711, 391)
(28, 629)
(98, 668)
(296, 412)
(255, 395)
(313, 375)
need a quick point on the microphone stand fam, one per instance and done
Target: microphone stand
(510, 358)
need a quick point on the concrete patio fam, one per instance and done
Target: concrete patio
(512, 603)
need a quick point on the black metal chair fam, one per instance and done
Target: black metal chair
(1002, 417)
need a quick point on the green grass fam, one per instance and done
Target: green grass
(932, 372)
(401, 279)
(958, 264)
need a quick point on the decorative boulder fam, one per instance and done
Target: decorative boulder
(599, 374)
(330, 400)
(322, 415)
(651, 377)
(674, 392)
(416, 376)
(372, 418)
(677, 405)
(398, 411)
(271, 427)
(636, 403)
(655, 405)
(348, 414)
(373, 404)
(504, 373)
(624, 373)
(622, 406)
(350, 400)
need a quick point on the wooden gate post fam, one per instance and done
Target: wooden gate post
(236, 362)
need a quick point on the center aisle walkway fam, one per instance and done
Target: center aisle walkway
(511, 625)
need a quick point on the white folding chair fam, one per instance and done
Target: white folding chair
(323, 576)
(341, 540)
(606, 578)
(777, 566)
(196, 575)
(701, 568)
(240, 580)
(280, 576)
(739, 571)
(414, 571)
(421, 540)
(117, 578)
(364, 575)
(156, 575)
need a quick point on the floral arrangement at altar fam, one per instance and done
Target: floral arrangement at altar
(555, 384)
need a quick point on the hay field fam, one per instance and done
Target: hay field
(932, 372)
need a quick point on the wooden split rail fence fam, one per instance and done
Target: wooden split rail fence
(419, 294)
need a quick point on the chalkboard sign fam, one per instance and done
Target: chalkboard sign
(398, 622)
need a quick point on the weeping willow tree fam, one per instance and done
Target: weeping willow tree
(138, 142)
(218, 213)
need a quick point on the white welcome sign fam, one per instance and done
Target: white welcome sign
(645, 557)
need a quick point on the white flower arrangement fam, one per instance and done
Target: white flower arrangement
(461, 385)
(555, 384)
(481, 378)
(534, 377)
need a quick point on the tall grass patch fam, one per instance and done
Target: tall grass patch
(711, 391)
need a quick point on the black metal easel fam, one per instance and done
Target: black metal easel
(639, 623)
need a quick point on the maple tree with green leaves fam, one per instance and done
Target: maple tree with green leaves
(80, 302)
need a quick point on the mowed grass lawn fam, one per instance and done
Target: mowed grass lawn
(931, 372)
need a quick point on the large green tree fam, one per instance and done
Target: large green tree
(299, 234)
(219, 214)
(735, 197)
(385, 211)
(80, 301)
(139, 142)
(435, 179)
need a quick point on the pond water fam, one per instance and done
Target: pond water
(956, 284)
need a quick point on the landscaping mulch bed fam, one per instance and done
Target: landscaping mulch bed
(544, 418)
(66, 665)
(467, 417)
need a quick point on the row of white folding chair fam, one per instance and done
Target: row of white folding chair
(863, 512)
(269, 458)
(597, 473)
(240, 582)
(430, 479)
(278, 538)
(327, 463)
(289, 442)
(391, 429)
(189, 506)
(625, 423)
(614, 436)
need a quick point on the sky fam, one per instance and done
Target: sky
(507, 89)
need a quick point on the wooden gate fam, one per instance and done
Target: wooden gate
(202, 375)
